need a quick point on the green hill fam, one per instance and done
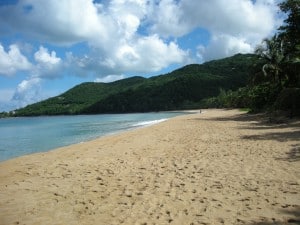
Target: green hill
(181, 89)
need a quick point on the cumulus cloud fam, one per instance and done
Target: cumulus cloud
(12, 61)
(234, 17)
(169, 19)
(144, 54)
(222, 46)
(109, 78)
(48, 65)
(64, 22)
(149, 54)
(44, 57)
(244, 21)
(111, 29)
(28, 91)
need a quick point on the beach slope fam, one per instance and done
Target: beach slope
(217, 167)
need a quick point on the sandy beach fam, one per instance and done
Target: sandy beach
(217, 167)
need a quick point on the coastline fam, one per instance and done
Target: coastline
(217, 167)
(28, 135)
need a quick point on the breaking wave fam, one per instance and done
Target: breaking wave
(148, 123)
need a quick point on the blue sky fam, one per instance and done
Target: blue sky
(47, 47)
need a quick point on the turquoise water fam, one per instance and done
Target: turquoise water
(26, 135)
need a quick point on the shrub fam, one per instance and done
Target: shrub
(289, 100)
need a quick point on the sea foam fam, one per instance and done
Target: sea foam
(148, 123)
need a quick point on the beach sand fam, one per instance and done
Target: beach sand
(217, 167)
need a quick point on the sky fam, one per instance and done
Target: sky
(48, 47)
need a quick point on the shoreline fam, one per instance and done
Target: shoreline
(218, 167)
(48, 144)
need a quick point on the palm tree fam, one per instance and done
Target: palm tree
(290, 30)
(271, 50)
(290, 33)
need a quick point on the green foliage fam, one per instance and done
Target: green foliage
(256, 98)
(273, 53)
(4, 114)
(184, 88)
(75, 100)
(288, 99)
(290, 31)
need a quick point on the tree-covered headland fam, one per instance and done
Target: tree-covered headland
(185, 88)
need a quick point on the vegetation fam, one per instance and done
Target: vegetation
(277, 85)
(184, 88)
(5, 114)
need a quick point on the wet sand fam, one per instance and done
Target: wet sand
(217, 167)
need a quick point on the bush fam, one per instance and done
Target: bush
(257, 98)
(262, 96)
(289, 100)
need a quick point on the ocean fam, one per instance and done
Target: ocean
(25, 135)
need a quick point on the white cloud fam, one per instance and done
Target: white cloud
(109, 78)
(234, 17)
(168, 19)
(63, 22)
(44, 57)
(223, 46)
(48, 64)
(27, 92)
(149, 54)
(111, 29)
(12, 61)
(243, 21)
(143, 54)
(25, 85)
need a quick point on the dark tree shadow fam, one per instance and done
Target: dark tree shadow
(293, 155)
(294, 218)
(263, 121)
(241, 117)
(276, 223)
(278, 136)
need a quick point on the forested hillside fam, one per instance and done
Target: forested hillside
(184, 88)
